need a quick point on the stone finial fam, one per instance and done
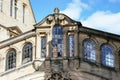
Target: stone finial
(56, 10)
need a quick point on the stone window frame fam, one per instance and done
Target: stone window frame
(11, 59)
(27, 52)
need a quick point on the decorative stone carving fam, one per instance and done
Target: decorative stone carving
(59, 76)
(56, 10)
(57, 17)
(61, 17)
(55, 52)
(37, 63)
(50, 18)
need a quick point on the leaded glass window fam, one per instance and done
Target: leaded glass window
(15, 9)
(27, 53)
(89, 50)
(43, 46)
(11, 59)
(24, 12)
(11, 7)
(107, 55)
(57, 40)
(71, 45)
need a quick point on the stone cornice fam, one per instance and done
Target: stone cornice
(99, 33)
(17, 39)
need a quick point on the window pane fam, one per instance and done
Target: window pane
(11, 7)
(71, 45)
(43, 46)
(27, 53)
(24, 13)
(89, 51)
(57, 40)
(107, 56)
(1, 5)
(11, 60)
(15, 9)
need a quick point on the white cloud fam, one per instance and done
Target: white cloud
(113, 1)
(74, 9)
(104, 20)
(101, 20)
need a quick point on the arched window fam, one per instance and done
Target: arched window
(71, 45)
(27, 53)
(57, 40)
(89, 50)
(11, 59)
(107, 56)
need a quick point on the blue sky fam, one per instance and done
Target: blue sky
(98, 14)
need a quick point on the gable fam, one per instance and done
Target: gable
(56, 18)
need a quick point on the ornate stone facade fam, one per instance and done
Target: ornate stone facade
(60, 48)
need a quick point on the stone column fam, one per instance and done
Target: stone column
(65, 45)
(98, 54)
(38, 47)
(81, 54)
(65, 51)
(116, 60)
(76, 55)
(49, 44)
(76, 43)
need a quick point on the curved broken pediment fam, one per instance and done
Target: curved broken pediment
(57, 18)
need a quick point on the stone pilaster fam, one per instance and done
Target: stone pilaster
(38, 47)
(65, 65)
(98, 54)
(116, 60)
(76, 44)
(65, 45)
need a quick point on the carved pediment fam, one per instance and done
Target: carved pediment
(56, 18)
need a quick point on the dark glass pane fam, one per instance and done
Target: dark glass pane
(89, 50)
(71, 45)
(27, 53)
(107, 56)
(57, 39)
(11, 59)
(43, 46)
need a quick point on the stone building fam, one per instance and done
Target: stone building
(16, 17)
(57, 48)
